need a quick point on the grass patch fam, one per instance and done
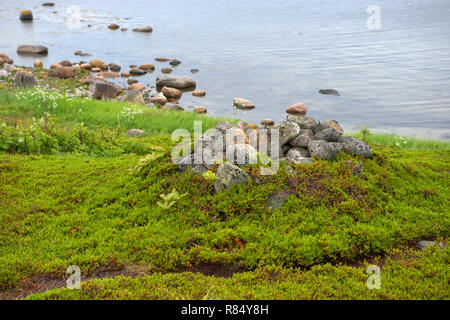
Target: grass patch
(95, 113)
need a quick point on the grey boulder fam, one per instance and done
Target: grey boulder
(305, 122)
(230, 175)
(287, 131)
(328, 134)
(324, 150)
(355, 147)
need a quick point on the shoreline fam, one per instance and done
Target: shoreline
(78, 83)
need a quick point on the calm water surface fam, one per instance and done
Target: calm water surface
(394, 79)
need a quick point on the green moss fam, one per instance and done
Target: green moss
(70, 199)
(418, 276)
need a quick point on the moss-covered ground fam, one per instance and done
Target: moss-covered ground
(69, 196)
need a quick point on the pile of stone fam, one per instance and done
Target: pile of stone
(300, 139)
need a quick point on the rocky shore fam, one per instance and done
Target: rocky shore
(300, 139)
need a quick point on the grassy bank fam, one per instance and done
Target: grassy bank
(71, 198)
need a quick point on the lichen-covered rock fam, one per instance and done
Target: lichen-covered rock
(25, 79)
(328, 134)
(355, 146)
(298, 155)
(241, 154)
(287, 131)
(303, 139)
(223, 126)
(324, 150)
(230, 175)
(332, 124)
(305, 122)
(188, 162)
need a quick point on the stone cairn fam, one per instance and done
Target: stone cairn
(300, 139)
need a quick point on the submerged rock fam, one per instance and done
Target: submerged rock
(243, 104)
(199, 93)
(230, 175)
(32, 50)
(114, 67)
(166, 70)
(26, 15)
(177, 82)
(147, 29)
(137, 72)
(113, 26)
(174, 62)
(147, 67)
(329, 92)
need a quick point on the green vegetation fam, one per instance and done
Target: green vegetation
(391, 139)
(96, 114)
(423, 275)
(75, 190)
